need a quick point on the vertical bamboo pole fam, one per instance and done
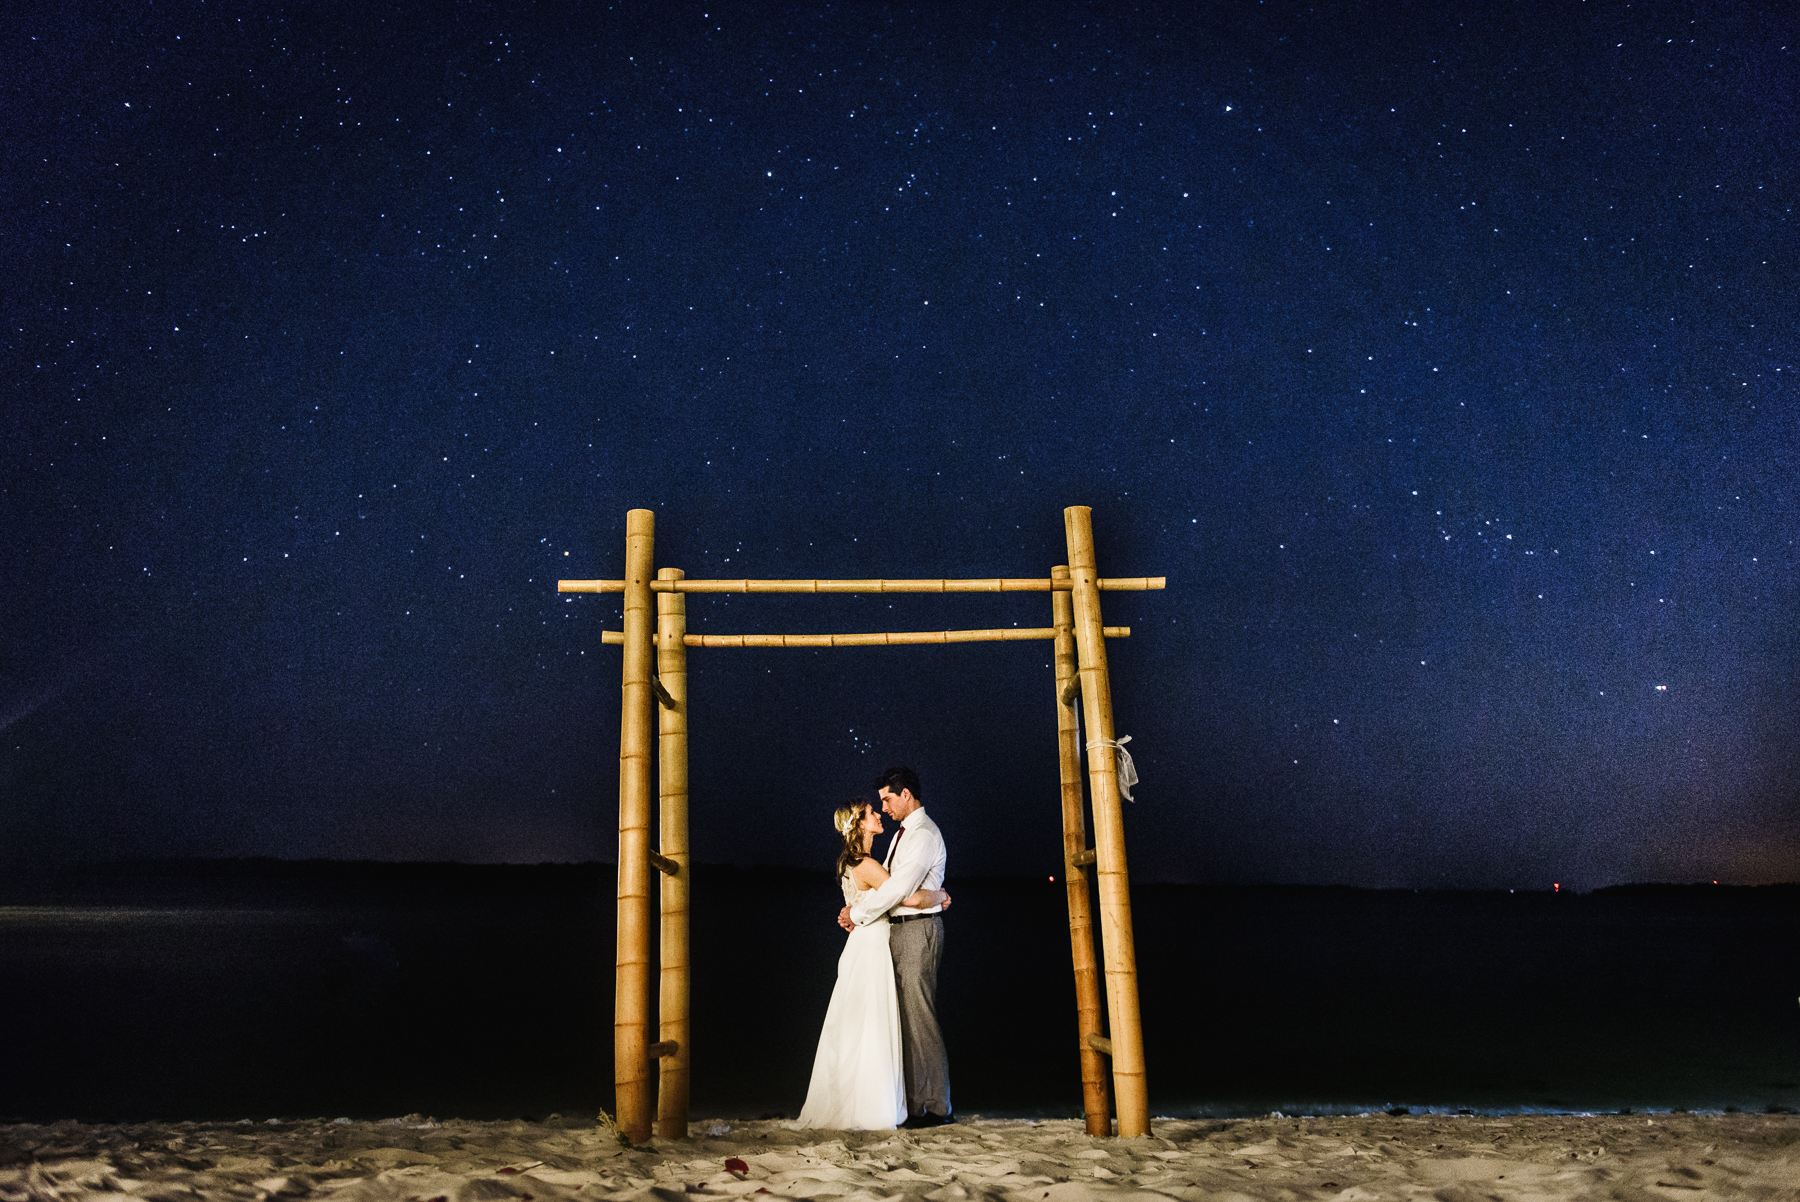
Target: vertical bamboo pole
(1129, 1090)
(672, 776)
(1081, 927)
(631, 978)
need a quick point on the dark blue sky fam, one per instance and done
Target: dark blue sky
(1441, 356)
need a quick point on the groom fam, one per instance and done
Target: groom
(915, 859)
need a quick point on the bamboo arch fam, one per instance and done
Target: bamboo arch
(655, 642)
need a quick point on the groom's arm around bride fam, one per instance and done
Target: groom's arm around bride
(915, 860)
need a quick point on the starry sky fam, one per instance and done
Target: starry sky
(1441, 356)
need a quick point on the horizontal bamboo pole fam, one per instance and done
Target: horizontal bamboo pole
(1006, 634)
(1120, 584)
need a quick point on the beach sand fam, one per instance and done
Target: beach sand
(1001, 1160)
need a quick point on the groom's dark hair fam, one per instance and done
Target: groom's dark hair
(898, 779)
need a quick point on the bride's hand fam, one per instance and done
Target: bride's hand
(945, 904)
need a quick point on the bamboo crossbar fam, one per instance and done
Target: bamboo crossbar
(1120, 584)
(1005, 634)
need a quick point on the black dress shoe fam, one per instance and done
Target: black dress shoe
(915, 1122)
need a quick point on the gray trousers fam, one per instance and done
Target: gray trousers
(916, 947)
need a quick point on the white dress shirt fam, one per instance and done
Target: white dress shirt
(918, 863)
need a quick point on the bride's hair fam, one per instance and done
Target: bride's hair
(848, 820)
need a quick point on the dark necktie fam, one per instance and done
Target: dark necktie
(892, 845)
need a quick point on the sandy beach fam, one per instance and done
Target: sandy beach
(417, 1159)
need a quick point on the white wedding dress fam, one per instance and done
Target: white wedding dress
(856, 1077)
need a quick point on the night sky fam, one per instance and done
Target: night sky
(1442, 356)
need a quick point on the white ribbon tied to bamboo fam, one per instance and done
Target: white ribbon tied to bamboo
(1127, 770)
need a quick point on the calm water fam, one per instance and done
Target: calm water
(487, 993)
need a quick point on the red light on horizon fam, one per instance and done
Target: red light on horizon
(1556, 885)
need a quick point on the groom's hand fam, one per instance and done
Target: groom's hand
(844, 919)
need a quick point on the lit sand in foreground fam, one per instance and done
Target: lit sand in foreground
(1003, 1160)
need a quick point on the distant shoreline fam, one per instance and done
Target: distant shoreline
(270, 868)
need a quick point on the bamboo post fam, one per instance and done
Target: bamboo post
(631, 978)
(672, 776)
(1129, 1091)
(1081, 927)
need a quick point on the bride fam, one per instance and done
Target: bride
(856, 1077)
